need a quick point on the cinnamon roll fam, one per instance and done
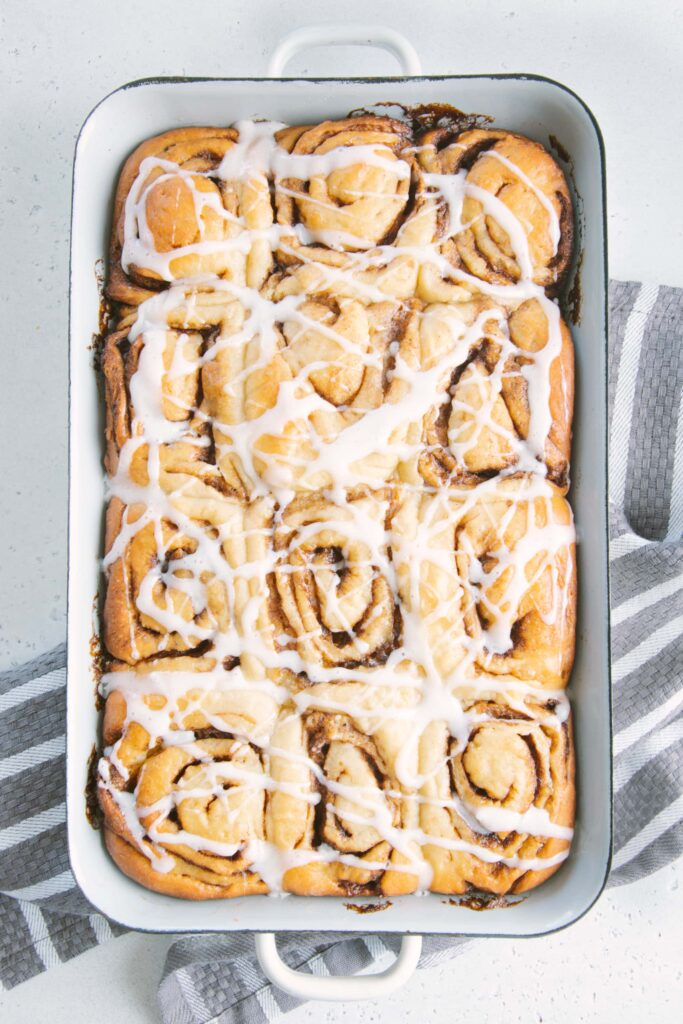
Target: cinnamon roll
(288, 399)
(345, 186)
(152, 369)
(494, 585)
(162, 594)
(184, 209)
(178, 582)
(330, 596)
(183, 785)
(515, 555)
(505, 397)
(497, 809)
(347, 837)
(500, 204)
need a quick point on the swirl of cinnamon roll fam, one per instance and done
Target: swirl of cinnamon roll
(183, 782)
(515, 554)
(344, 186)
(186, 827)
(512, 215)
(353, 824)
(507, 393)
(494, 585)
(287, 401)
(182, 210)
(496, 812)
(330, 594)
(162, 595)
(178, 582)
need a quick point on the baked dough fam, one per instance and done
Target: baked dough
(340, 563)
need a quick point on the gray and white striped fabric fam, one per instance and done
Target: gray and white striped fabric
(44, 919)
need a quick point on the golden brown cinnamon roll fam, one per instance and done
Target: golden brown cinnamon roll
(506, 394)
(496, 811)
(183, 785)
(347, 189)
(152, 366)
(330, 596)
(177, 584)
(348, 811)
(288, 400)
(513, 206)
(182, 210)
(161, 596)
(515, 554)
(494, 585)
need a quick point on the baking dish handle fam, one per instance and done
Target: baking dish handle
(340, 35)
(337, 988)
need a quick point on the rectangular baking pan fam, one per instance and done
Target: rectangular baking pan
(534, 106)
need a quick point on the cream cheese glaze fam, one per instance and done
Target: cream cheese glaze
(334, 503)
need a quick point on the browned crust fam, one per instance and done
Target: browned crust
(335, 879)
(136, 866)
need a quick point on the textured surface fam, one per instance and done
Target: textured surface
(329, 450)
(624, 952)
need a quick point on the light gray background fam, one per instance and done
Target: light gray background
(57, 60)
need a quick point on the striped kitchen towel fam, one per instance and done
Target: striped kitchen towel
(43, 917)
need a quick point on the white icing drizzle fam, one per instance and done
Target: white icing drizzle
(437, 669)
(553, 219)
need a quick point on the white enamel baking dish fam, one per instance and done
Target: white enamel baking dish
(536, 107)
